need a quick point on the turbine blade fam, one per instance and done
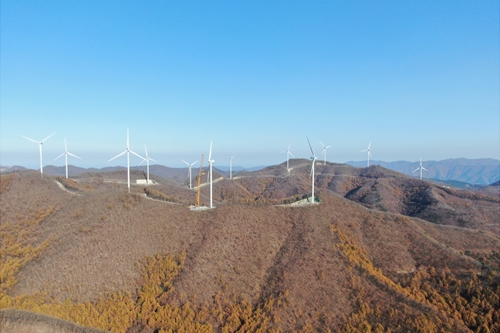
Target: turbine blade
(185, 161)
(117, 156)
(369, 145)
(210, 153)
(59, 156)
(137, 154)
(47, 137)
(312, 152)
(73, 155)
(322, 144)
(30, 139)
(152, 159)
(65, 145)
(193, 163)
(424, 169)
(141, 162)
(416, 169)
(291, 153)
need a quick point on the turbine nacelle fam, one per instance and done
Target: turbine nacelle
(368, 153)
(66, 152)
(288, 154)
(421, 168)
(313, 158)
(210, 162)
(40, 143)
(127, 151)
(189, 171)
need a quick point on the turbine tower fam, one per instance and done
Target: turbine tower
(189, 171)
(324, 152)
(231, 167)
(127, 151)
(147, 159)
(420, 168)
(66, 152)
(210, 162)
(288, 153)
(368, 152)
(40, 143)
(313, 158)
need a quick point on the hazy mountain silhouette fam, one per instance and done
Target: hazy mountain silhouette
(482, 171)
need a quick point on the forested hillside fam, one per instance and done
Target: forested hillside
(88, 252)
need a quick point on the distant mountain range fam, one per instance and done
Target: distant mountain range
(458, 172)
(483, 171)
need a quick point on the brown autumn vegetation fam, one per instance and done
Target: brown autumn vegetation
(375, 188)
(73, 185)
(116, 261)
(157, 195)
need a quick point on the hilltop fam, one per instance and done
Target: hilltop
(381, 250)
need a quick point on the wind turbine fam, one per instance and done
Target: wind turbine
(127, 151)
(231, 167)
(40, 143)
(368, 152)
(313, 157)
(147, 159)
(324, 152)
(210, 162)
(288, 153)
(420, 168)
(66, 152)
(189, 171)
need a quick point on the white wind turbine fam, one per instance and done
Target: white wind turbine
(368, 153)
(210, 162)
(40, 143)
(127, 151)
(314, 158)
(189, 171)
(147, 159)
(66, 152)
(288, 154)
(231, 167)
(420, 168)
(324, 152)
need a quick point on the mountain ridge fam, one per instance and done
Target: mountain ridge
(476, 172)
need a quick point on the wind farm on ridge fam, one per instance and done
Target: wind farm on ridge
(312, 199)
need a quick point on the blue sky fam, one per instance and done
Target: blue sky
(417, 79)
